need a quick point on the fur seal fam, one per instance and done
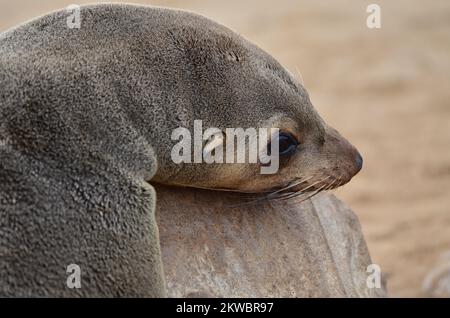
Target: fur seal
(86, 117)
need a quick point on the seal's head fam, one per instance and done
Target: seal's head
(233, 83)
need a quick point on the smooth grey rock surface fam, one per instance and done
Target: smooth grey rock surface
(268, 249)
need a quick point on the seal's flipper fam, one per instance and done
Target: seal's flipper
(102, 222)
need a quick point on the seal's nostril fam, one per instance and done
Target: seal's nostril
(358, 161)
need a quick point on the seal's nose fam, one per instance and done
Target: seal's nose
(358, 161)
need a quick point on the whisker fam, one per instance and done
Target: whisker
(337, 185)
(330, 186)
(272, 195)
(290, 186)
(300, 76)
(295, 194)
(247, 203)
(312, 195)
(340, 182)
(283, 194)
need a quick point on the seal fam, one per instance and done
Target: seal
(86, 117)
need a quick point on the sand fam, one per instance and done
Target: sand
(386, 90)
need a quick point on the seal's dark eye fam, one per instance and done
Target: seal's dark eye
(286, 144)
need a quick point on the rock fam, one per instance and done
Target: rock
(268, 249)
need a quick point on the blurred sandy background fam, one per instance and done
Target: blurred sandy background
(387, 90)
